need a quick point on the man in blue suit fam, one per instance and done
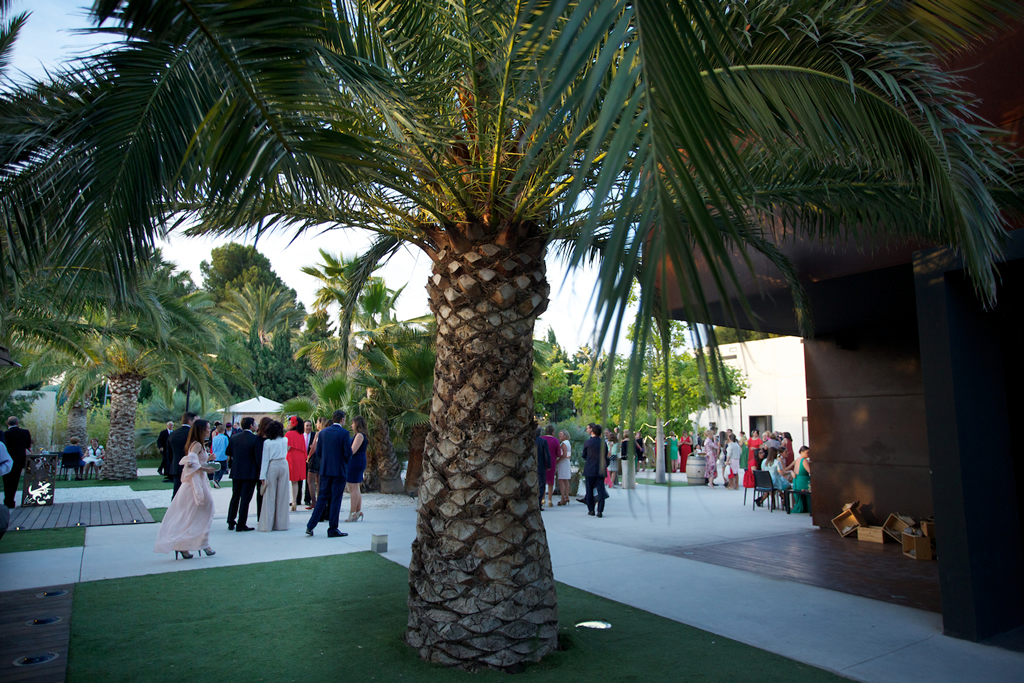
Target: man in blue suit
(334, 448)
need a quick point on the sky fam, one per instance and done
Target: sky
(51, 36)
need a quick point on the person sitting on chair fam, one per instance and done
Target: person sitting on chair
(72, 458)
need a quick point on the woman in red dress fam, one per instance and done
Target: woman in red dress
(296, 458)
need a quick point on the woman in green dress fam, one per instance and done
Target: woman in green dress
(802, 481)
(672, 446)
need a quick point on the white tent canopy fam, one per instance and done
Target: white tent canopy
(260, 404)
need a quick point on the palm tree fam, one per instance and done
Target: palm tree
(174, 338)
(658, 134)
(263, 308)
(396, 371)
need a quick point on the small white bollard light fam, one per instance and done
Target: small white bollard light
(379, 543)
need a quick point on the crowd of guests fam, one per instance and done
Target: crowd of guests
(270, 461)
(734, 455)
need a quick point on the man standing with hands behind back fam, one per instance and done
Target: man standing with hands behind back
(176, 445)
(334, 446)
(165, 452)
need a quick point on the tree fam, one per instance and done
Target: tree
(264, 308)
(661, 134)
(234, 266)
(275, 372)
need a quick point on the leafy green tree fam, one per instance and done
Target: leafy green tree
(234, 266)
(656, 133)
(274, 370)
(552, 396)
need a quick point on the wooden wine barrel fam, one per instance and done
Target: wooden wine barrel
(695, 468)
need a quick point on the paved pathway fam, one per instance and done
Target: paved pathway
(620, 557)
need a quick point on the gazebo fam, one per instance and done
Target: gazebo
(255, 408)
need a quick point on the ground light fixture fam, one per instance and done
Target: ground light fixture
(599, 625)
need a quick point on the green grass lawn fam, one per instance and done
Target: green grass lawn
(42, 539)
(341, 618)
(152, 482)
(158, 514)
(147, 463)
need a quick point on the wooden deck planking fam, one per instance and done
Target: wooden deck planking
(21, 639)
(95, 513)
(823, 558)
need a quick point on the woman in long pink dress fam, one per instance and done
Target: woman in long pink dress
(186, 525)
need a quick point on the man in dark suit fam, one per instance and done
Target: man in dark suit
(335, 450)
(19, 443)
(165, 451)
(543, 459)
(245, 474)
(176, 444)
(595, 469)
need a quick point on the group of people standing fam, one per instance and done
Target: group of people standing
(265, 460)
(769, 451)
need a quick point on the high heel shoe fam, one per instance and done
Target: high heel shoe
(208, 551)
(185, 555)
(355, 517)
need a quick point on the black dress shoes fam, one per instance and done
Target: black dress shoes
(591, 513)
(600, 514)
(309, 532)
(243, 528)
(231, 526)
(332, 533)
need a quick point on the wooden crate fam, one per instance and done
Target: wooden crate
(872, 534)
(895, 525)
(847, 521)
(917, 547)
(929, 529)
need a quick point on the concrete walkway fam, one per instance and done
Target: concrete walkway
(620, 557)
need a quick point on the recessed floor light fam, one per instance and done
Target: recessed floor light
(32, 660)
(599, 625)
(43, 621)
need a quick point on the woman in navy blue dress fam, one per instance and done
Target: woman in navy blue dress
(356, 467)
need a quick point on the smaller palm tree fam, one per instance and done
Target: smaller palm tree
(263, 308)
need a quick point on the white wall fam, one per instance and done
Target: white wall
(39, 420)
(776, 386)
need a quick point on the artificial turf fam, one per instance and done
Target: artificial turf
(153, 482)
(158, 514)
(341, 618)
(42, 539)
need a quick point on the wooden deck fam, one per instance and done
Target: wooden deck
(96, 513)
(24, 638)
(825, 559)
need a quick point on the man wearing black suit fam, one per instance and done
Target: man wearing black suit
(19, 443)
(176, 444)
(165, 452)
(595, 468)
(335, 450)
(245, 474)
(543, 459)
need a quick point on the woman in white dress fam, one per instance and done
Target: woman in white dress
(93, 457)
(563, 472)
(274, 471)
(186, 525)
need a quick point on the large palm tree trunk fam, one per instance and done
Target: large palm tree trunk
(78, 422)
(389, 470)
(481, 591)
(119, 460)
(417, 441)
